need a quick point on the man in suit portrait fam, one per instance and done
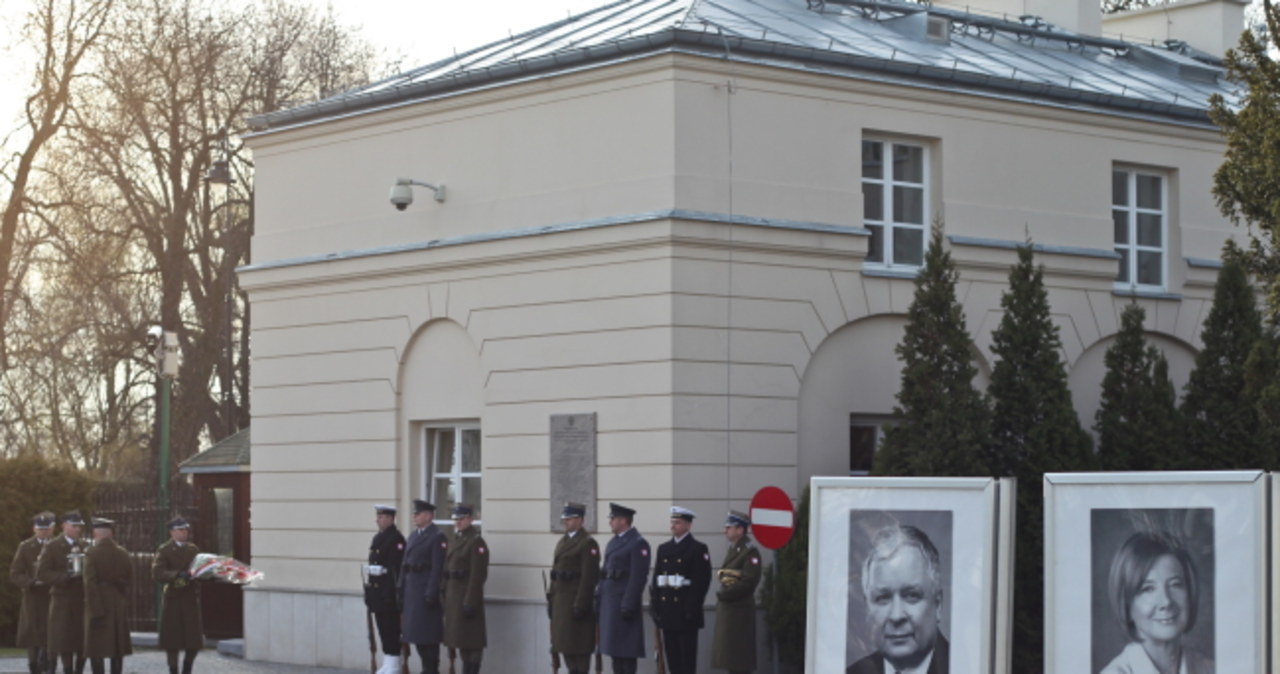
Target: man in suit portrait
(901, 580)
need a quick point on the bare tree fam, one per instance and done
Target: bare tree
(63, 34)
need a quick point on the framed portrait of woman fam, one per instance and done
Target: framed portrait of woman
(909, 574)
(1156, 572)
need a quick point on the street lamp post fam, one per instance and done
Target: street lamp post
(219, 176)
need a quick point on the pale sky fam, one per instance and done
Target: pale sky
(421, 30)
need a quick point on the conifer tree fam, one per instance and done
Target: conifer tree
(1138, 424)
(1220, 411)
(1262, 386)
(945, 423)
(1034, 430)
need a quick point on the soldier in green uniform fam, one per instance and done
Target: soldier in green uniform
(575, 570)
(180, 621)
(33, 617)
(734, 647)
(466, 567)
(108, 573)
(60, 567)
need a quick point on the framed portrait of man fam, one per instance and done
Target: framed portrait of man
(909, 574)
(1139, 568)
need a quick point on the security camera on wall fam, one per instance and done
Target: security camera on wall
(402, 192)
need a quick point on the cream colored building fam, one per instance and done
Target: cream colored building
(700, 223)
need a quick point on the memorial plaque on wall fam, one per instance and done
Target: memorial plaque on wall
(573, 465)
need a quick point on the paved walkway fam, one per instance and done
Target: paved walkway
(209, 662)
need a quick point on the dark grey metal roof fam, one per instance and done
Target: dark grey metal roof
(886, 40)
(231, 454)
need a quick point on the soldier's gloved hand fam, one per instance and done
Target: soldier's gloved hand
(628, 614)
(579, 613)
(468, 611)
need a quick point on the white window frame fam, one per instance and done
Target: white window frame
(1131, 212)
(430, 440)
(887, 182)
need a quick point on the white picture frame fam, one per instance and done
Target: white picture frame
(972, 518)
(1093, 522)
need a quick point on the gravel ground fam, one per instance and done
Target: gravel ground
(209, 662)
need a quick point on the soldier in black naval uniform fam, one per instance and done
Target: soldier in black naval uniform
(421, 573)
(621, 590)
(574, 571)
(681, 577)
(386, 552)
(33, 617)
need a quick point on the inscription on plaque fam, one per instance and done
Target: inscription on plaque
(573, 465)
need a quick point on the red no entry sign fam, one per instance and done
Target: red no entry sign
(773, 520)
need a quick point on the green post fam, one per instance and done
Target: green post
(162, 506)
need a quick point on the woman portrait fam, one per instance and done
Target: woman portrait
(1154, 589)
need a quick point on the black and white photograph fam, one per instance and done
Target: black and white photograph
(906, 575)
(1153, 603)
(1139, 568)
(899, 591)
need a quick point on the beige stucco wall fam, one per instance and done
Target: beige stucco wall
(1213, 26)
(718, 357)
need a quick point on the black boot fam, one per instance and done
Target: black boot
(189, 661)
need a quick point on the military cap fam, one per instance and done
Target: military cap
(421, 506)
(179, 522)
(463, 510)
(572, 510)
(737, 519)
(73, 517)
(44, 520)
(617, 510)
(384, 509)
(682, 513)
(104, 523)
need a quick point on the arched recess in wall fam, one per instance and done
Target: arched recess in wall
(441, 385)
(1085, 377)
(853, 373)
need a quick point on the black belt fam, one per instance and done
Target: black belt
(615, 574)
(457, 574)
(565, 575)
(415, 568)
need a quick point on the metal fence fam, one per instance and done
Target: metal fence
(140, 528)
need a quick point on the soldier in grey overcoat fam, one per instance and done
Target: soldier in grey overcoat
(420, 577)
(181, 625)
(734, 644)
(108, 575)
(575, 569)
(59, 567)
(621, 591)
(33, 616)
(466, 568)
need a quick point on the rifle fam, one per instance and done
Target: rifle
(659, 655)
(555, 657)
(368, 623)
(453, 653)
(599, 655)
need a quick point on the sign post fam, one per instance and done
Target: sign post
(773, 521)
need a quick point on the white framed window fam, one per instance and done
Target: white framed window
(895, 199)
(866, 434)
(451, 466)
(1139, 212)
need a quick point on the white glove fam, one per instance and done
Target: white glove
(377, 570)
